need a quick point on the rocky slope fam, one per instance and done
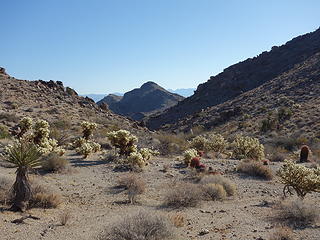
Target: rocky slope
(295, 94)
(140, 102)
(242, 77)
(53, 102)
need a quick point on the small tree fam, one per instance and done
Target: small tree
(24, 156)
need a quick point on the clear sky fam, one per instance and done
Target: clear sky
(103, 46)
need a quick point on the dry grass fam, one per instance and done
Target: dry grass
(213, 191)
(229, 186)
(54, 163)
(64, 218)
(43, 198)
(183, 195)
(178, 220)
(134, 185)
(5, 185)
(282, 233)
(255, 169)
(172, 143)
(141, 225)
(297, 213)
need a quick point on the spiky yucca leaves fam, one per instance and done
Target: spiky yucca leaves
(303, 180)
(24, 156)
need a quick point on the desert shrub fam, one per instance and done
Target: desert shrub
(300, 178)
(172, 143)
(290, 143)
(124, 141)
(229, 186)
(183, 195)
(284, 113)
(5, 185)
(54, 162)
(141, 225)
(297, 213)
(282, 233)
(178, 220)
(255, 169)
(277, 157)
(10, 117)
(268, 124)
(4, 132)
(214, 191)
(247, 147)
(189, 155)
(43, 198)
(134, 186)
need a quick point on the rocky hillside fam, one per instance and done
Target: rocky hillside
(288, 104)
(140, 102)
(54, 102)
(242, 77)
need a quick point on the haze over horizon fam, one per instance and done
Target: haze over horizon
(115, 46)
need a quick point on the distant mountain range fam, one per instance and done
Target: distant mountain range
(185, 92)
(150, 98)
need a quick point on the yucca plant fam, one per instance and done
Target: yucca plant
(24, 156)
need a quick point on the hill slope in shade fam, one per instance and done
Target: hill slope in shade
(242, 77)
(296, 91)
(140, 102)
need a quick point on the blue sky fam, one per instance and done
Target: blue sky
(103, 46)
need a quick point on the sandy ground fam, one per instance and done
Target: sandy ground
(93, 204)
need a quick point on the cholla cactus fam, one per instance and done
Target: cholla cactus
(303, 180)
(123, 140)
(88, 147)
(136, 159)
(25, 125)
(247, 147)
(189, 154)
(83, 145)
(87, 129)
(217, 143)
(199, 143)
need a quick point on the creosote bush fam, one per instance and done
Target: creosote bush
(297, 213)
(255, 169)
(54, 163)
(4, 132)
(141, 225)
(183, 195)
(301, 179)
(247, 147)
